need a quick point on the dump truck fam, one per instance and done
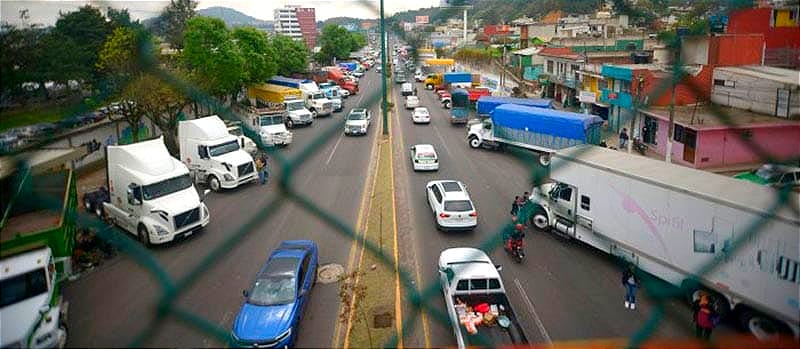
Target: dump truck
(541, 130)
(673, 221)
(38, 237)
(315, 100)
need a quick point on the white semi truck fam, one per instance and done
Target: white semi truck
(151, 193)
(672, 221)
(213, 155)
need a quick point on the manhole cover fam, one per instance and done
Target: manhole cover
(329, 273)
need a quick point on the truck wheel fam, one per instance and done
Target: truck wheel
(474, 142)
(759, 325)
(144, 235)
(289, 123)
(313, 113)
(446, 105)
(213, 182)
(539, 219)
(544, 159)
(429, 87)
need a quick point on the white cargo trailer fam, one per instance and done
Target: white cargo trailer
(671, 221)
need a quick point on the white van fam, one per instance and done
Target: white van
(407, 89)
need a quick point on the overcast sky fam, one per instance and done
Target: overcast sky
(46, 11)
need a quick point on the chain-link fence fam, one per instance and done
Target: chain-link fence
(422, 300)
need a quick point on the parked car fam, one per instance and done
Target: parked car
(358, 121)
(418, 77)
(773, 175)
(412, 102)
(420, 115)
(358, 73)
(451, 205)
(275, 302)
(399, 78)
(424, 158)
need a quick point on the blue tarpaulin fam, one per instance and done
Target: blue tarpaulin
(545, 121)
(457, 77)
(487, 103)
(288, 82)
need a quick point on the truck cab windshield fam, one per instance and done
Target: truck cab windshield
(318, 95)
(21, 287)
(224, 148)
(166, 187)
(270, 120)
(296, 105)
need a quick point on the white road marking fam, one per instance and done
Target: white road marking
(334, 150)
(444, 144)
(536, 318)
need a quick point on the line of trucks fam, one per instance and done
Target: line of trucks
(668, 220)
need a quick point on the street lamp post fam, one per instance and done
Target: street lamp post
(384, 102)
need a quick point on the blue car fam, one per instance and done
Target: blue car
(275, 302)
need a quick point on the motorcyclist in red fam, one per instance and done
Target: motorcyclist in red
(516, 238)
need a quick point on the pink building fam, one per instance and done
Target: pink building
(703, 140)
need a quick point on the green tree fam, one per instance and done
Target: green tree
(213, 59)
(172, 23)
(258, 54)
(358, 40)
(17, 58)
(87, 28)
(292, 56)
(60, 59)
(161, 103)
(335, 42)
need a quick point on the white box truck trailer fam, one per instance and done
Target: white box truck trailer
(213, 155)
(671, 221)
(151, 193)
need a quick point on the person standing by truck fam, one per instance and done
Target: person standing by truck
(262, 166)
(623, 138)
(631, 282)
(704, 316)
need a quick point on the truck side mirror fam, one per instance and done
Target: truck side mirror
(205, 193)
(202, 152)
(245, 294)
(132, 199)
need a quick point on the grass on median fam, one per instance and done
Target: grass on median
(375, 291)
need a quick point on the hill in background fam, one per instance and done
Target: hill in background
(234, 18)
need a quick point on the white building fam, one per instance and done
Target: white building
(286, 22)
(762, 89)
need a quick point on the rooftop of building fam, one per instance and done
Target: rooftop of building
(704, 117)
(786, 76)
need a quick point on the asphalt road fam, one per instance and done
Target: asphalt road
(563, 290)
(112, 304)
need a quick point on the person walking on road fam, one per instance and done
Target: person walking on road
(631, 282)
(262, 168)
(623, 138)
(515, 207)
(704, 316)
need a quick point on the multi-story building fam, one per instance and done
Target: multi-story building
(298, 23)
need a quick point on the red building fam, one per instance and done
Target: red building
(781, 30)
(307, 19)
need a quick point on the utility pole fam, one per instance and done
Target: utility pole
(384, 102)
(675, 75)
(465, 26)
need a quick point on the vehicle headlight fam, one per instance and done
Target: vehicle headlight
(205, 210)
(284, 335)
(161, 230)
(227, 177)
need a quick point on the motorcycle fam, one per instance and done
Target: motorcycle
(516, 247)
(639, 146)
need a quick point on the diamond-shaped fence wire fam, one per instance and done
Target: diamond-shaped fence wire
(422, 299)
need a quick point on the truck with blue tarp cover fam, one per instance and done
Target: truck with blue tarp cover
(460, 106)
(351, 66)
(458, 77)
(538, 129)
(486, 104)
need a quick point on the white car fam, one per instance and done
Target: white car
(418, 77)
(412, 102)
(421, 116)
(424, 158)
(343, 92)
(451, 205)
(358, 73)
(357, 122)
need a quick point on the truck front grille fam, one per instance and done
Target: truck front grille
(245, 169)
(187, 218)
